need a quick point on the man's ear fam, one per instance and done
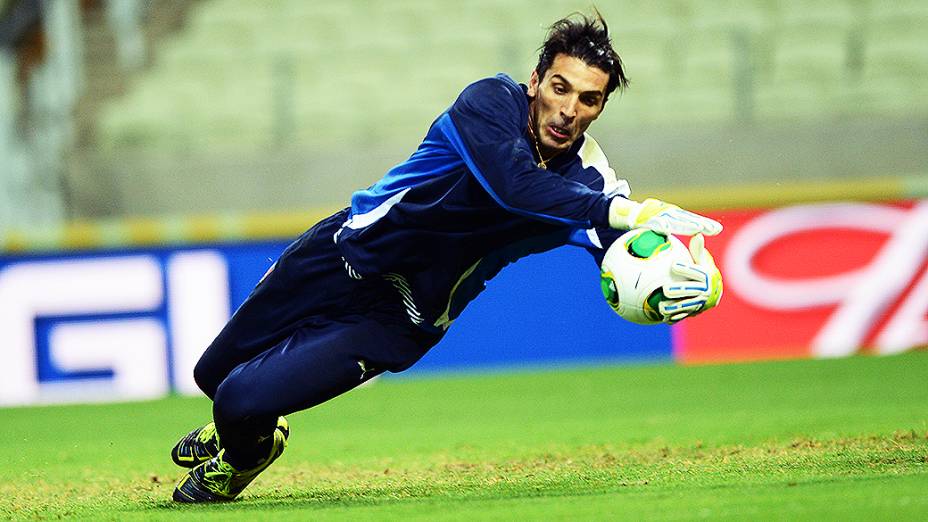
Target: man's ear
(533, 84)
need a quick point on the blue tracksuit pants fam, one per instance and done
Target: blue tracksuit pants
(307, 333)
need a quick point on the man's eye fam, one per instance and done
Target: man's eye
(589, 101)
(559, 89)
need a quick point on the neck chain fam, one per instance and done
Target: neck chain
(542, 162)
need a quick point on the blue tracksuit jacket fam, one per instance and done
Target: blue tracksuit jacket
(471, 200)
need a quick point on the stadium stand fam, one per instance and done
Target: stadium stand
(237, 106)
(255, 74)
(231, 107)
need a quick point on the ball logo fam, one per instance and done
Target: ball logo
(610, 292)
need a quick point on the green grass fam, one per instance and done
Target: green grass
(838, 439)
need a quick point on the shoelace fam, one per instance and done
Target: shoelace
(219, 478)
(207, 433)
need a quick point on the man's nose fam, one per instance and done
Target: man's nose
(569, 110)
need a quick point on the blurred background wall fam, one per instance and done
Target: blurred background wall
(133, 108)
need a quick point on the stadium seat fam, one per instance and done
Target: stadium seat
(880, 11)
(791, 101)
(881, 97)
(806, 52)
(897, 47)
(708, 58)
(646, 53)
(744, 15)
(826, 12)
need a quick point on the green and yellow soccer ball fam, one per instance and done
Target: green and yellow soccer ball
(634, 270)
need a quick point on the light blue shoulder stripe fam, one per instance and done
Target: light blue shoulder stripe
(431, 159)
(587, 238)
(446, 125)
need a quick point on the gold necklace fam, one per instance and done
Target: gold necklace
(542, 163)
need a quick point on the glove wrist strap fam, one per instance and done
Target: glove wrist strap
(623, 213)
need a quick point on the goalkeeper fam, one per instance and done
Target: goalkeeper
(505, 172)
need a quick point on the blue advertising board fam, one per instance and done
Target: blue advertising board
(131, 323)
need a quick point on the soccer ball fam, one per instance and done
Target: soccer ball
(635, 268)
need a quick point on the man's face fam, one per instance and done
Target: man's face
(565, 102)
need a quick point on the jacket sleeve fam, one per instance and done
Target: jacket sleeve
(486, 125)
(596, 241)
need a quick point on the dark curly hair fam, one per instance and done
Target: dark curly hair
(585, 38)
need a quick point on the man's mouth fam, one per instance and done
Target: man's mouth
(559, 133)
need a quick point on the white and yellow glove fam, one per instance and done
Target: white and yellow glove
(701, 291)
(660, 217)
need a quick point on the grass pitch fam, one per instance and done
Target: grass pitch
(837, 439)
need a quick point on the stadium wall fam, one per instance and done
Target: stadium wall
(122, 310)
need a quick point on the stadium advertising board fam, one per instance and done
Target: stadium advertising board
(814, 280)
(131, 324)
(818, 280)
(116, 325)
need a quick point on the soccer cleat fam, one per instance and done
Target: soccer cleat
(202, 444)
(197, 447)
(217, 481)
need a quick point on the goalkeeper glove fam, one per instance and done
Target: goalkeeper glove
(660, 217)
(702, 289)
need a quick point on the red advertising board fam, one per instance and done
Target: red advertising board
(816, 280)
